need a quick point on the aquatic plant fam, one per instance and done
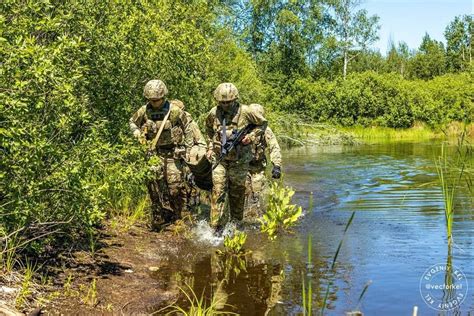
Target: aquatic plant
(361, 296)
(280, 214)
(307, 295)
(448, 188)
(234, 243)
(334, 261)
(450, 173)
(198, 305)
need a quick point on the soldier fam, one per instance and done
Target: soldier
(198, 151)
(257, 183)
(231, 173)
(164, 127)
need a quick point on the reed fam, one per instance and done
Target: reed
(451, 171)
(307, 293)
(334, 260)
(448, 188)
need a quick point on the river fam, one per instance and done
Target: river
(398, 232)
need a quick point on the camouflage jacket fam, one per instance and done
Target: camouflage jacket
(178, 130)
(237, 118)
(267, 140)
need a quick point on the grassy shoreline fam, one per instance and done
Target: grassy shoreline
(303, 134)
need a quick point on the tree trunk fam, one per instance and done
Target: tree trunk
(346, 61)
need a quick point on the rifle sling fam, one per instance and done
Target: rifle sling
(162, 126)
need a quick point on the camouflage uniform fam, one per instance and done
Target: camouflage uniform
(167, 191)
(192, 191)
(257, 182)
(231, 173)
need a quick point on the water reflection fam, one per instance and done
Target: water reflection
(244, 285)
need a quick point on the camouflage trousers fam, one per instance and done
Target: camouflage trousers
(167, 192)
(193, 193)
(228, 177)
(256, 191)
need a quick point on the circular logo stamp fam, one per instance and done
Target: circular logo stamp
(443, 287)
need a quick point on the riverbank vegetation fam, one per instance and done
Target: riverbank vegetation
(72, 75)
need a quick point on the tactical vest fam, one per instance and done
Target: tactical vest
(232, 121)
(172, 134)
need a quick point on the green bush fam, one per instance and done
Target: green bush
(381, 99)
(72, 75)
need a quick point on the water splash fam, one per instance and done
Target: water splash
(206, 234)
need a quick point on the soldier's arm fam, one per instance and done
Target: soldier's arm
(273, 147)
(210, 127)
(192, 133)
(197, 135)
(187, 131)
(136, 121)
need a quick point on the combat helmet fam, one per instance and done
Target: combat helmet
(258, 108)
(226, 92)
(155, 89)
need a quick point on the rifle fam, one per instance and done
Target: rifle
(230, 143)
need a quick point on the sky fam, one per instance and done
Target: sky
(409, 20)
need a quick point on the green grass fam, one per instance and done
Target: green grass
(382, 134)
(126, 213)
(419, 132)
(26, 289)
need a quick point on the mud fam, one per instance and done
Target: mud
(123, 270)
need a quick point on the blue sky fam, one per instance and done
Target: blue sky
(408, 20)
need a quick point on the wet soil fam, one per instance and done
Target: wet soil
(117, 279)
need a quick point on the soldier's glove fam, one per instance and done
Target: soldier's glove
(276, 172)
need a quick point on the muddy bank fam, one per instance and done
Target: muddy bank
(120, 277)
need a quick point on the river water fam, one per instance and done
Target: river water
(398, 232)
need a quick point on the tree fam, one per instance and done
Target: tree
(353, 29)
(397, 58)
(430, 60)
(367, 60)
(458, 36)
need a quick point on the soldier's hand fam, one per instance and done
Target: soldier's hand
(246, 140)
(139, 136)
(209, 154)
(150, 153)
(276, 172)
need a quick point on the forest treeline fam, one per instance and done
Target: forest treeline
(72, 73)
